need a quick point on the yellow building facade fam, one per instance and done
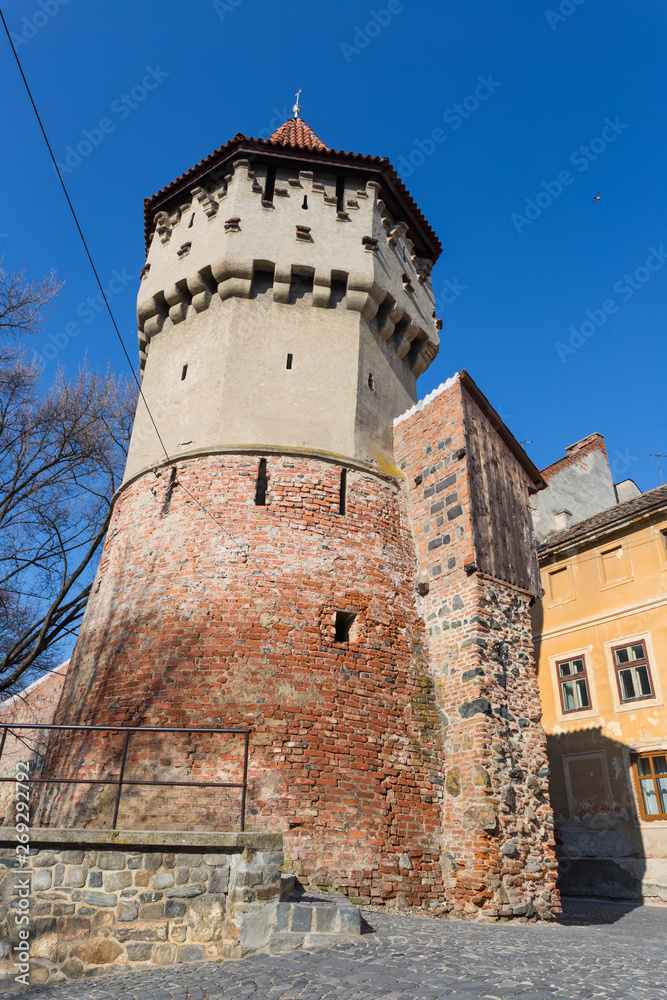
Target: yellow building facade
(601, 645)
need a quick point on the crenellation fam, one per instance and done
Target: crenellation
(209, 205)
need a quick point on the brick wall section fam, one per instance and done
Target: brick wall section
(193, 622)
(36, 703)
(576, 454)
(498, 857)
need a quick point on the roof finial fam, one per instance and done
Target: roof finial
(296, 109)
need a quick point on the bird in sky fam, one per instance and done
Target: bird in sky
(596, 198)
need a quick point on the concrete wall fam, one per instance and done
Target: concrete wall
(599, 594)
(626, 490)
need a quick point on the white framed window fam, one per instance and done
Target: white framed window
(633, 672)
(573, 685)
(635, 684)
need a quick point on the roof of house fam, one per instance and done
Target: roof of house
(295, 140)
(607, 520)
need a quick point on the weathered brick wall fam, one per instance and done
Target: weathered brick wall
(193, 622)
(35, 703)
(406, 764)
(497, 823)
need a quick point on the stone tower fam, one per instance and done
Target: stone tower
(285, 306)
(277, 557)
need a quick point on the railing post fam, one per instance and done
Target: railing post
(245, 780)
(2, 741)
(121, 776)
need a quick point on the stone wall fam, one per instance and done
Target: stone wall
(498, 848)
(102, 901)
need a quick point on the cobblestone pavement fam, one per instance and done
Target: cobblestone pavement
(603, 951)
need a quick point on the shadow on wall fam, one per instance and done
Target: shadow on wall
(599, 845)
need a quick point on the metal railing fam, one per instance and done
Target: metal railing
(121, 781)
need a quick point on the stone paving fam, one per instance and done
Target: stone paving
(604, 951)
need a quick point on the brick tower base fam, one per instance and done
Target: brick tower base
(359, 625)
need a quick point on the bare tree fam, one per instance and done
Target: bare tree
(62, 454)
(23, 303)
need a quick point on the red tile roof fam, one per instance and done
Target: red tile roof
(296, 133)
(606, 520)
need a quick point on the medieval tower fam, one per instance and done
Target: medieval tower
(302, 549)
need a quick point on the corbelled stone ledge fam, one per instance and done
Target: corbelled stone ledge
(148, 838)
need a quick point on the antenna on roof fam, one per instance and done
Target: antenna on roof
(296, 109)
(658, 455)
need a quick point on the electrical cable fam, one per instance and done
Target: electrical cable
(170, 461)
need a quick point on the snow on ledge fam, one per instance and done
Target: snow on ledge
(428, 399)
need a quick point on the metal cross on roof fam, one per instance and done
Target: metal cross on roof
(296, 109)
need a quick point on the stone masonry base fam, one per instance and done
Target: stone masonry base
(98, 900)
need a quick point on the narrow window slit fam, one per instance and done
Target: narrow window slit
(289, 361)
(371, 382)
(304, 204)
(170, 489)
(192, 219)
(270, 185)
(340, 194)
(261, 484)
(184, 373)
(342, 500)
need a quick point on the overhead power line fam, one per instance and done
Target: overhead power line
(170, 461)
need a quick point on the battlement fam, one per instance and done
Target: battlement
(281, 307)
(314, 235)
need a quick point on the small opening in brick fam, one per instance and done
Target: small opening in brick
(371, 382)
(304, 203)
(184, 372)
(261, 484)
(342, 501)
(343, 624)
(289, 361)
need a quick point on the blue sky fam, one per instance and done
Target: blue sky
(553, 303)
